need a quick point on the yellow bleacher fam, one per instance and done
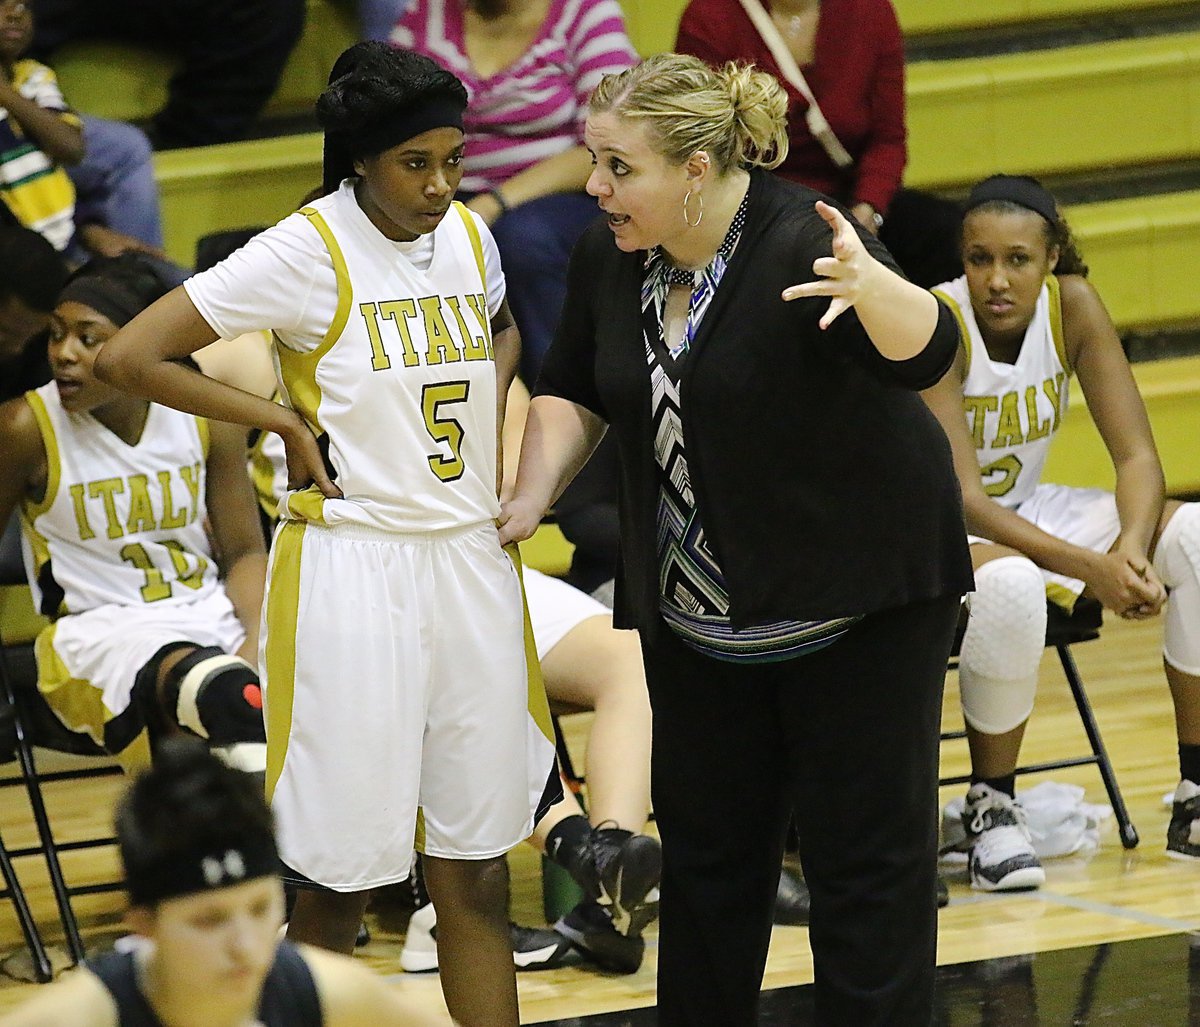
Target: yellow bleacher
(931, 16)
(1067, 109)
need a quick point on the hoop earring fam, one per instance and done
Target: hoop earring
(699, 217)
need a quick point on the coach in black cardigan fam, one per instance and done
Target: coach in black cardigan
(793, 549)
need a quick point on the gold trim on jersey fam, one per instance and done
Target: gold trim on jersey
(1054, 290)
(419, 832)
(262, 474)
(283, 608)
(53, 459)
(964, 336)
(79, 704)
(476, 242)
(299, 370)
(1061, 596)
(205, 433)
(536, 703)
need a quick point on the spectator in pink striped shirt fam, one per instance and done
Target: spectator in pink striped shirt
(529, 67)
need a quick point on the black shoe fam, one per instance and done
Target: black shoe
(589, 927)
(943, 893)
(791, 900)
(621, 872)
(363, 937)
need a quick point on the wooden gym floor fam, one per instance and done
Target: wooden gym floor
(1107, 940)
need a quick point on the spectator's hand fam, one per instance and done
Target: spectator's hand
(519, 519)
(845, 276)
(305, 465)
(487, 207)
(1127, 585)
(103, 241)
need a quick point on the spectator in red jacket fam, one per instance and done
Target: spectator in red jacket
(851, 55)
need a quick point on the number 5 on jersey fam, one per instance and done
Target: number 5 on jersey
(445, 430)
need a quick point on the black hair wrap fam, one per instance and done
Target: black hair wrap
(378, 97)
(1022, 190)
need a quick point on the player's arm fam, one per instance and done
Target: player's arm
(506, 344)
(353, 996)
(22, 457)
(1102, 572)
(233, 512)
(510, 438)
(144, 359)
(78, 999)
(559, 438)
(1120, 415)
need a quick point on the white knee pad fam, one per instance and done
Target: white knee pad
(1002, 647)
(1177, 561)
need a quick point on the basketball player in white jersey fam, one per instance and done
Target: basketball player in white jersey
(586, 664)
(114, 496)
(1029, 320)
(403, 706)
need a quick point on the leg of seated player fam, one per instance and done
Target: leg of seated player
(998, 667)
(599, 668)
(215, 695)
(475, 957)
(1177, 562)
(593, 666)
(327, 919)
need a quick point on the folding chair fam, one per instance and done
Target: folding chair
(25, 722)
(1064, 630)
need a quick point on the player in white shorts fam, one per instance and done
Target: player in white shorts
(403, 704)
(1029, 319)
(114, 495)
(586, 664)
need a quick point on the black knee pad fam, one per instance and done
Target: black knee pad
(217, 696)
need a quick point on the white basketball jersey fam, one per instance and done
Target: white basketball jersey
(118, 523)
(403, 386)
(1013, 410)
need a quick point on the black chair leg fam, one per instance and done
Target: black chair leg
(33, 938)
(1129, 835)
(58, 882)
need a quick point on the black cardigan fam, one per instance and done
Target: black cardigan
(824, 484)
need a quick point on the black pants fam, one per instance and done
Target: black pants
(233, 54)
(847, 739)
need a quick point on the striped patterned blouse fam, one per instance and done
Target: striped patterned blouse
(534, 108)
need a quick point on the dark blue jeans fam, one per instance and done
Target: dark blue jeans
(535, 242)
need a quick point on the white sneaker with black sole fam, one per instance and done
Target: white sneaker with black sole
(1001, 856)
(533, 948)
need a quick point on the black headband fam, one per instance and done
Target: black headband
(1019, 189)
(117, 300)
(342, 149)
(202, 870)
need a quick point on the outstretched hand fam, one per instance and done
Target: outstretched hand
(845, 275)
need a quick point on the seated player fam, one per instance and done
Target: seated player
(202, 872)
(114, 496)
(1030, 319)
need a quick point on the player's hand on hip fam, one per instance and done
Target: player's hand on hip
(305, 464)
(845, 276)
(519, 519)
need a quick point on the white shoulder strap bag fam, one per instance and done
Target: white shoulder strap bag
(815, 120)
